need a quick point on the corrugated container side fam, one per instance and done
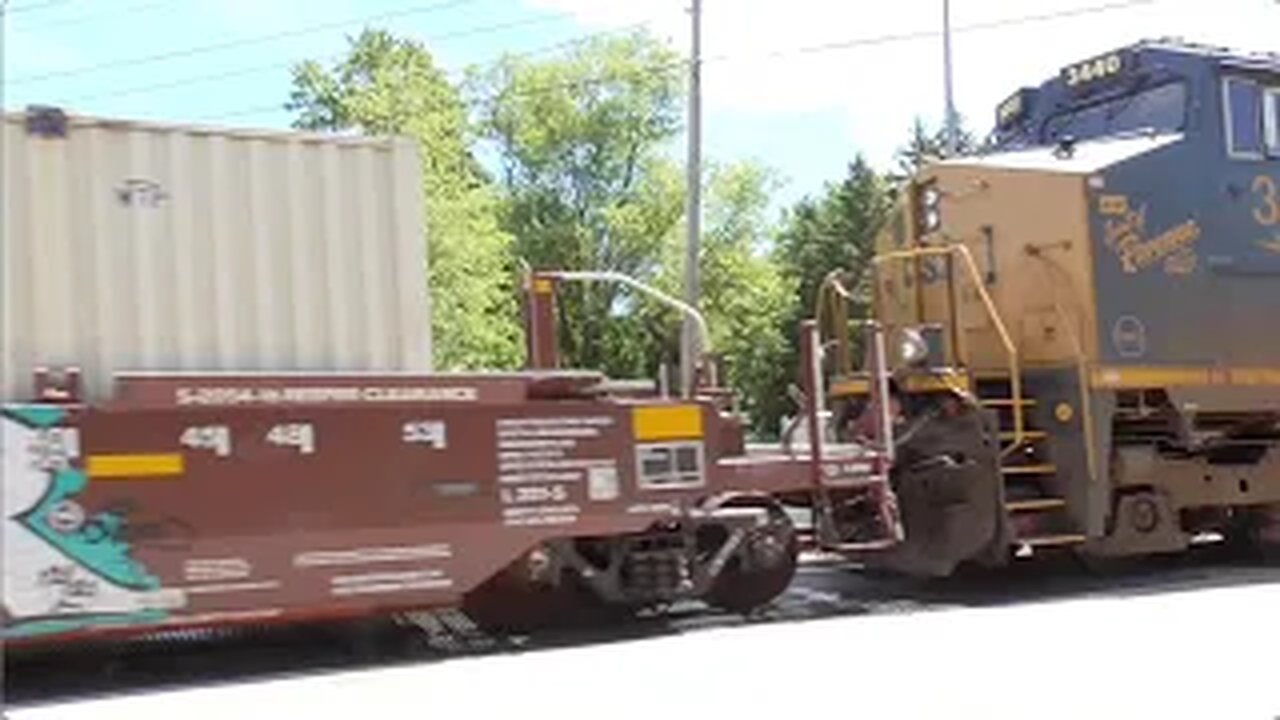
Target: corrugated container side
(144, 247)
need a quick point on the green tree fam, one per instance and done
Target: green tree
(744, 295)
(388, 85)
(579, 142)
(924, 145)
(836, 231)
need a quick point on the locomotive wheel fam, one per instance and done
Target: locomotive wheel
(1258, 534)
(762, 568)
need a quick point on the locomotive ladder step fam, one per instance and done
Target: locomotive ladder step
(1029, 469)
(1040, 541)
(1005, 402)
(1026, 435)
(1035, 504)
(990, 375)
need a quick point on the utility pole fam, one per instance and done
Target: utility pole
(689, 347)
(4, 275)
(951, 129)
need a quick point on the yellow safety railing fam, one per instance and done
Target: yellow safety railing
(993, 314)
(832, 284)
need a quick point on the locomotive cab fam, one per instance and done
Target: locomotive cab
(1074, 316)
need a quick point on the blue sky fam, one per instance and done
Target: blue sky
(792, 84)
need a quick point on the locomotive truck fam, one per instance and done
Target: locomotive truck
(1080, 319)
(219, 409)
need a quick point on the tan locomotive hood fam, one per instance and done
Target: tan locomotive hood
(1021, 214)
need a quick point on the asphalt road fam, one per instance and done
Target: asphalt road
(822, 590)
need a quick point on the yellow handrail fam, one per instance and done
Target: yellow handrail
(829, 283)
(1015, 374)
(832, 283)
(1082, 373)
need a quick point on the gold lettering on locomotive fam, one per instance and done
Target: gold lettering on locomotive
(1126, 236)
(1126, 231)
(1113, 205)
(1268, 212)
(1271, 245)
(1093, 70)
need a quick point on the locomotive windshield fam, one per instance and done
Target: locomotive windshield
(1161, 108)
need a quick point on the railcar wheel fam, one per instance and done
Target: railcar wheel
(761, 570)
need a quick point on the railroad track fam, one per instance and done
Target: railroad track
(822, 589)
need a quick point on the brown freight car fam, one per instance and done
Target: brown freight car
(200, 499)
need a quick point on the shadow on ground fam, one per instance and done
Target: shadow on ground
(822, 590)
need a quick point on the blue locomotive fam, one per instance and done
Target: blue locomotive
(1081, 314)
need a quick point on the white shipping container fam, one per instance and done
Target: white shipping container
(134, 246)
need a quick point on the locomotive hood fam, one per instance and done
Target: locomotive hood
(1035, 221)
(1086, 156)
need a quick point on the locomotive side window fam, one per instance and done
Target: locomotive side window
(1272, 122)
(1162, 108)
(1244, 118)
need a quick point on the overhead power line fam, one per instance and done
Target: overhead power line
(447, 4)
(873, 40)
(1060, 14)
(33, 6)
(852, 43)
(929, 34)
(186, 81)
(477, 102)
(245, 112)
(256, 69)
(577, 40)
(92, 17)
(242, 42)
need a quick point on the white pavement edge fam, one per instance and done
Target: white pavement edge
(1204, 654)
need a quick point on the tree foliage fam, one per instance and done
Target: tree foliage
(836, 231)
(744, 294)
(924, 145)
(388, 85)
(585, 185)
(583, 178)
